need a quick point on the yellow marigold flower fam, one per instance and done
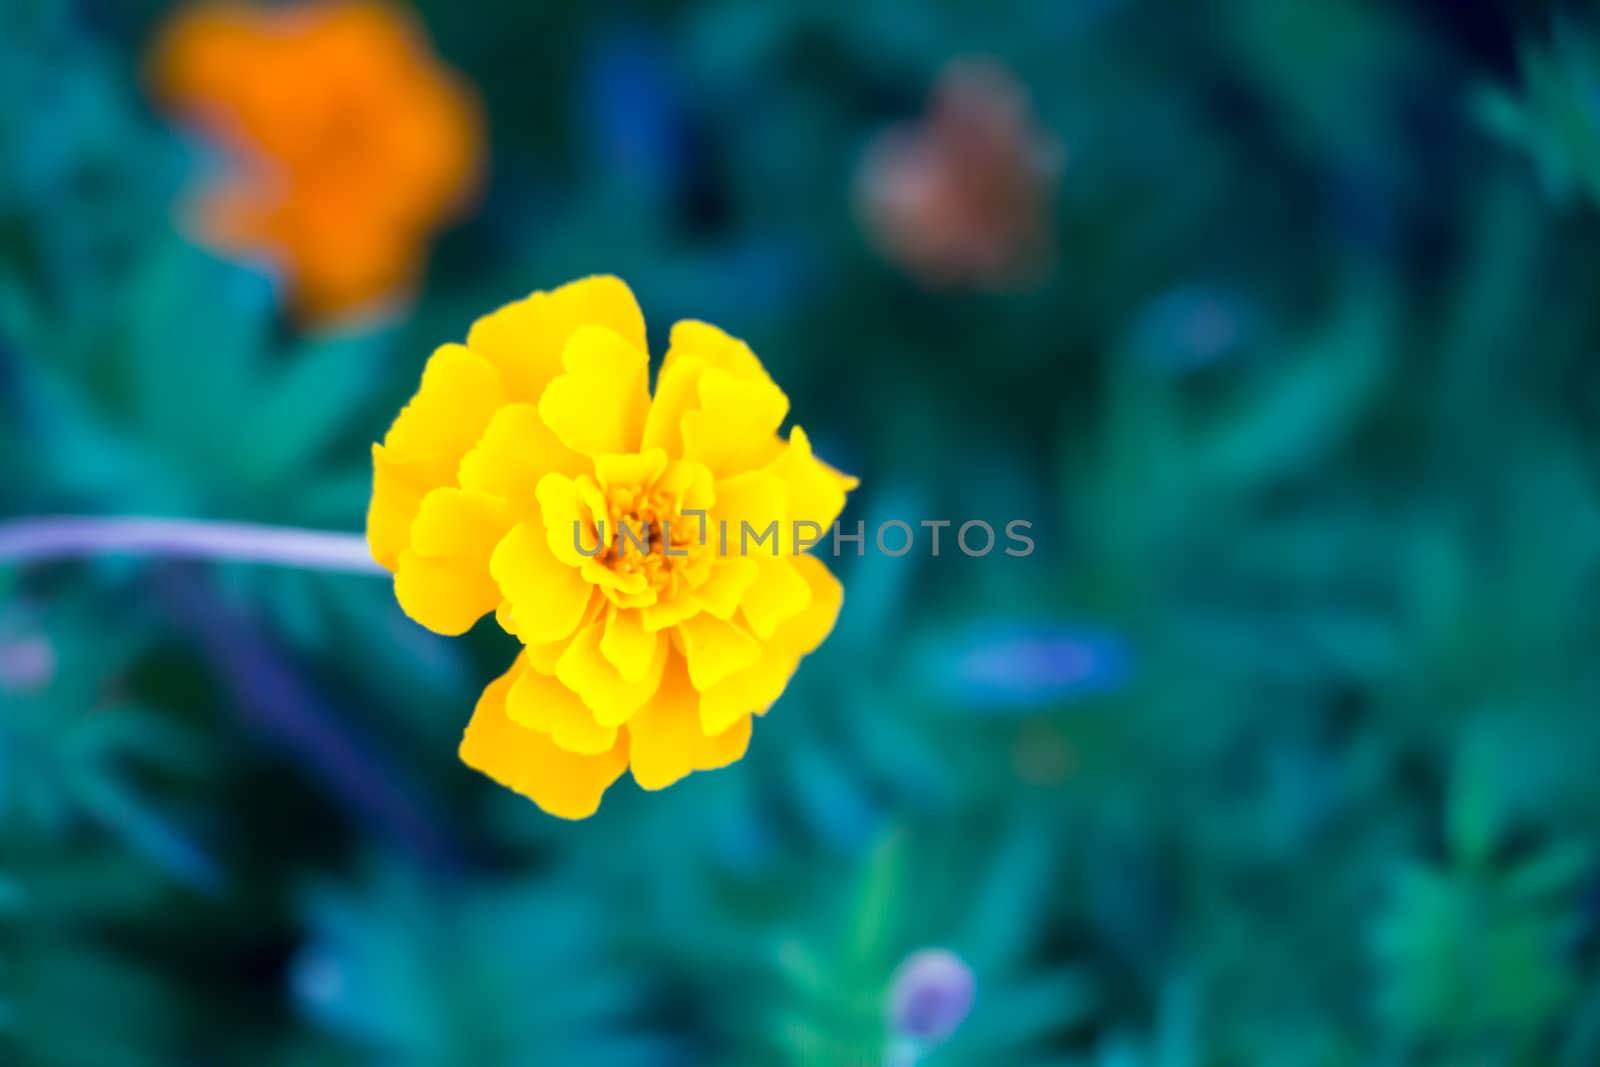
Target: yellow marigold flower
(533, 476)
(350, 142)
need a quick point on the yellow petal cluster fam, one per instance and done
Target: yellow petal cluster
(533, 476)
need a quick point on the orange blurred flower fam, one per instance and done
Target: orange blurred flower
(963, 195)
(350, 142)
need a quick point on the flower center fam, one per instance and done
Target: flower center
(647, 534)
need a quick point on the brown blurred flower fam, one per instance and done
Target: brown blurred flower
(963, 195)
(350, 142)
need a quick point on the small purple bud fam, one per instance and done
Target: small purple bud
(27, 665)
(930, 994)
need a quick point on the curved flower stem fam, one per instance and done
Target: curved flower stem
(63, 537)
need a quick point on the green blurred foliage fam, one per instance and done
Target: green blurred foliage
(1277, 752)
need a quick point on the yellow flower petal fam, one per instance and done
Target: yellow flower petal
(714, 348)
(448, 596)
(443, 581)
(460, 522)
(396, 495)
(758, 500)
(754, 687)
(599, 404)
(735, 428)
(570, 508)
(779, 592)
(517, 450)
(616, 470)
(460, 392)
(625, 589)
(695, 488)
(503, 616)
(715, 649)
(563, 783)
(540, 702)
(664, 739)
(721, 592)
(808, 629)
(548, 598)
(544, 656)
(612, 699)
(815, 491)
(670, 611)
(627, 645)
(707, 378)
(677, 394)
(746, 691)
(727, 747)
(526, 339)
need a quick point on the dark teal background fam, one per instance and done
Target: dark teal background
(1280, 750)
